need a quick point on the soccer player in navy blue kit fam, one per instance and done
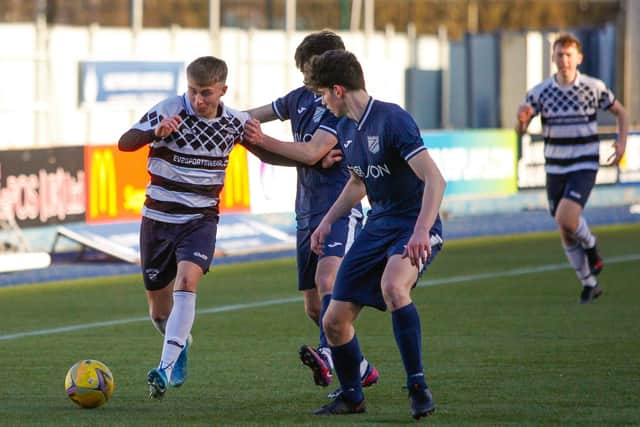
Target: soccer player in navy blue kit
(314, 132)
(388, 163)
(568, 103)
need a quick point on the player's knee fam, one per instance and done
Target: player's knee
(333, 327)
(566, 227)
(395, 295)
(185, 283)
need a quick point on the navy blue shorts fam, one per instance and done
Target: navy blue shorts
(163, 245)
(342, 235)
(360, 274)
(575, 186)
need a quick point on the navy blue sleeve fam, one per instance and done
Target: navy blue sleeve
(282, 105)
(404, 134)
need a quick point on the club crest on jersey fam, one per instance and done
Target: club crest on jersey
(317, 115)
(374, 143)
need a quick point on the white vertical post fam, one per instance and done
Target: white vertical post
(41, 77)
(214, 27)
(290, 27)
(443, 50)
(290, 16)
(369, 16)
(412, 45)
(356, 11)
(136, 15)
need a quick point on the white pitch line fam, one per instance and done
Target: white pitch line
(235, 307)
(72, 328)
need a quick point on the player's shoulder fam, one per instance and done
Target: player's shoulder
(232, 113)
(387, 109)
(389, 113)
(301, 93)
(171, 105)
(545, 84)
(590, 81)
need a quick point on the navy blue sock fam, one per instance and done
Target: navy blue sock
(325, 303)
(347, 358)
(406, 328)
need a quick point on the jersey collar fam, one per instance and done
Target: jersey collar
(187, 105)
(576, 81)
(364, 117)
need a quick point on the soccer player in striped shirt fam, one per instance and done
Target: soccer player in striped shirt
(388, 162)
(568, 103)
(190, 137)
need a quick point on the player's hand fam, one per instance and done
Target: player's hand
(616, 156)
(525, 112)
(318, 236)
(418, 249)
(167, 126)
(253, 132)
(331, 158)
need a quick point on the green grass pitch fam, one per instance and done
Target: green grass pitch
(505, 343)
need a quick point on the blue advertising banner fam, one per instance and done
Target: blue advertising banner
(127, 81)
(475, 161)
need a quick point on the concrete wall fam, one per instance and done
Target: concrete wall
(40, 82)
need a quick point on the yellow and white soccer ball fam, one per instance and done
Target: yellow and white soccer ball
(89, 383)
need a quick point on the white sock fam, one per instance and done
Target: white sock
(326, 351)
(363, 367)
(584, 235)
(364, 364)
(177, 329)
(578, 260)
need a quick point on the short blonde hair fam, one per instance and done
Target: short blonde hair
(207, 70)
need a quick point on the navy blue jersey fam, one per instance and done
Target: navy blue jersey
(317, 188)
(377, 150)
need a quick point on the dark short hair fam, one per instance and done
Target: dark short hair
(565, 40)
(334, 67)
(316, 44)
(207, 70)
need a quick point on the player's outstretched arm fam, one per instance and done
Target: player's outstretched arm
(309, 153)
(263, 114)
(623, 129)
(134, 139)
(352, 193)
(419, 246)
(268, 156)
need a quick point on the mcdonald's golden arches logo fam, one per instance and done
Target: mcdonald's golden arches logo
(103, 186)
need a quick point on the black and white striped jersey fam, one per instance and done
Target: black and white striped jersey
(569, 121)
(187, 168)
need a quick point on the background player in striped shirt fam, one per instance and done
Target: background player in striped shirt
(189, 138)
(388, 163)
(314, 132)
(568, 103)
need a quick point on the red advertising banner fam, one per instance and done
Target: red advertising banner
(116, 183)
(42, 186)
